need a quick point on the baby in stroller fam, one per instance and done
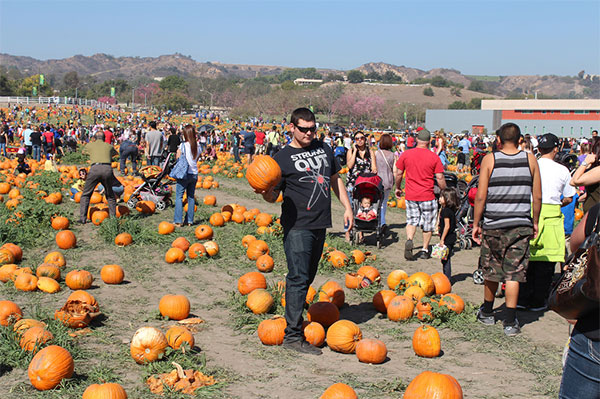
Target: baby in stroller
(367, 200)
(366, 211)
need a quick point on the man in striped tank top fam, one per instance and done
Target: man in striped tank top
(509, 199)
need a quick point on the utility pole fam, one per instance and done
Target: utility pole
(132, 99)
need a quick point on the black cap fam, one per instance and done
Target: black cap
(548, 141)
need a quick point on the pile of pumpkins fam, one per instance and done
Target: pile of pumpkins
(181, 245)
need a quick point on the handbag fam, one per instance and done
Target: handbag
(440, 251)
(577, 292)
(180, 169)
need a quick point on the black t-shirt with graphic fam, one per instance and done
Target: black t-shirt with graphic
(447, 213)
(305, 184)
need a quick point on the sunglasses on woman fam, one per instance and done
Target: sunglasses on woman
(359, 138)
(307, 129)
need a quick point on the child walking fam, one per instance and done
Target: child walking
(447, 227)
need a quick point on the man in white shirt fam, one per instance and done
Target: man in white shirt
(549, 246)
(27, 138)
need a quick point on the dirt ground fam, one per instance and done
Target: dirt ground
(486, 364)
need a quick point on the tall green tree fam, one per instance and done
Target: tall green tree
(355, 76)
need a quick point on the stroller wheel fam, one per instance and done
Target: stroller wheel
(469, 244)
(160, 205)
(462, 244)
(132, 202)
(378, 243)
(478, 276)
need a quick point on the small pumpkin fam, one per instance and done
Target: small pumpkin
(49, 367)
(26, 282)
(314, 333)
(174, 255)
(175, 307)
(353, 281)
(371, 351)
(247, 239)
(60, 223)
(123, 239)
(264, 172)
(79, 279)
(332, 292)
(48, 270)
(47, 284)
(453, 302)
(251, 281)
(212, 248)
(343, 335)
(6, 256)
(371, 275)
(165, 228)
(109, 390)
(15, 249)
(358, 256)
(147, 345)
(112, 274)
(197, 250)
(210, 200)
(414, 292)
(382, 299)
(6, 271)
(65, 239)
(256, 249)
(177, 335)
(265, 263)
(430, 385)
(181, 243)
(426, 342)
(35, 337)
(204, 232)
(263, 219)
(441, 283)
(400, 308)
(339, 391)
(216, 219)
(324, 313)
(423, 280)
(259, 301)
(395, 277)
(272, 331)
(10, 313)
(55, 258)
(338, 259)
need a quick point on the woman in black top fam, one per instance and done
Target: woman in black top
(581, 372)
(173, 141)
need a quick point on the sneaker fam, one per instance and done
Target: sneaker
(302, 347)
(510, 330)
(423, 254)
(408, 247)
(486, 319)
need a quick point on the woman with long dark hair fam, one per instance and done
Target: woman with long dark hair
(189, 149)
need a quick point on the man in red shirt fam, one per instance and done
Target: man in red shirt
(108, 136)
(260, 142)
(421, 166)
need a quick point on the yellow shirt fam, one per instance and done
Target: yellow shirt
(99, 151)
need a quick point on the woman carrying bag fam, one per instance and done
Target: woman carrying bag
(186, 174)
(385, 161)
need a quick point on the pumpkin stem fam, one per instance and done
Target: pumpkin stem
(180, 372)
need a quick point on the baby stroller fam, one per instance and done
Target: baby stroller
(367, 185)
(152, 189)
(464, 215)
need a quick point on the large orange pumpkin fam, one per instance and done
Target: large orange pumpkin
(174, 255)
(382, 299)
(165, 228)
(15, 249)
(182, 243)
(49, 367)
(60, 223)
(314, 333)
(79, 279)
(123, 239)
(251, 281)
(256, 249)
(265, 263)
(35, 337)
(175, 307)
(424, 281)
(371, 351)
(263, 172)
(26, 282)
(259, 301)
(343, 335)
(112, 274)
(55, 258)
(441, 283)
(332, 292)
(339, 391)
(203, 232)
(109, 390)
(324, 313)
(430, 385)
(65, 239)
(147, 345)
(272, 331)
(216, 219)
(453, 302)
(426, 342)
(10, 312)
(400, 308)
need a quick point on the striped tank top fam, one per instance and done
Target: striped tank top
(508, 201)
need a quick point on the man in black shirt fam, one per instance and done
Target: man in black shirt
(173, 141)
(309, 171)
(36, 144)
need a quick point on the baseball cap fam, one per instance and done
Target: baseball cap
(424, 135)
(548, 141)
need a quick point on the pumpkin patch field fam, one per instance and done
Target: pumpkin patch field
(136, 307)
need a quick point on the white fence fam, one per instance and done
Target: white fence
(56, 101)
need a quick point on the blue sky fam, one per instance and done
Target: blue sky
(476, 37)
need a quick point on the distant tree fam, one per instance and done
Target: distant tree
(355, 76)
(288, 85)
(26, 85)
(475, 103)
(6, 88)
(71, 80)
(581, 74)
(333, 77)
(370, 108)
(174, 100)
(328, 95)
(343, 106)
(455, 91)
(173, 82)
(477, 85)
(391, 77)
(458, 105)
(374, 75)
(255, 88)
(428, 91)
(438, 81)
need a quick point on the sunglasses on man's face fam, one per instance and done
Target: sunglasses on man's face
(307, 129)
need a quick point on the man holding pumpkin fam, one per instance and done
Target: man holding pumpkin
(309, 171)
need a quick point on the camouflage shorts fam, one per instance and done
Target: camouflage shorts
(505, 254)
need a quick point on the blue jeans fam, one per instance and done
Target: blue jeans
(581, 374)
(155, 160)
(303, 250)
(187, 185)
(36, 149)
(131, 153)
(3, 149)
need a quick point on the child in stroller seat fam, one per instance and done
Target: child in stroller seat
(366, 211)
